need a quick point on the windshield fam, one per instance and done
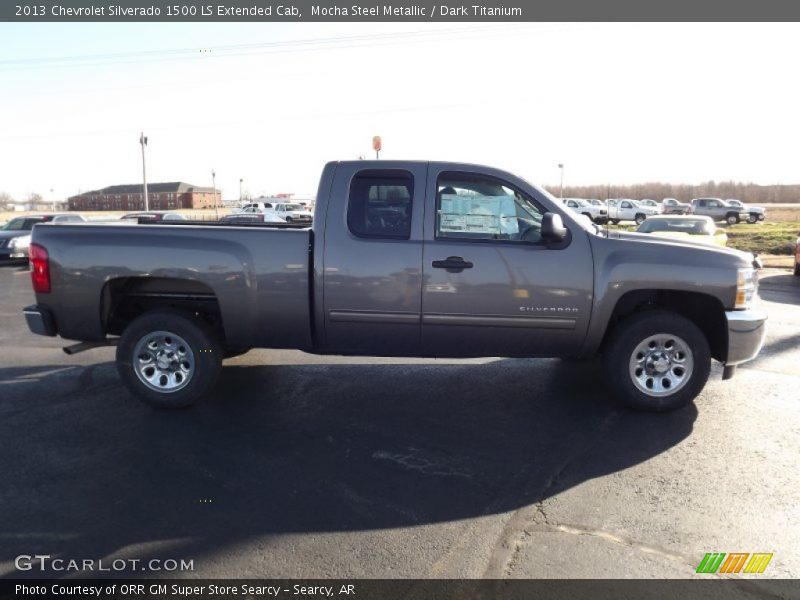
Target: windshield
(20, 224)
(690, 226)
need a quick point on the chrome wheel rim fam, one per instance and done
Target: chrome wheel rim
(661, 364)
(163, 362)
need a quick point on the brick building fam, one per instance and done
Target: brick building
(161, 196)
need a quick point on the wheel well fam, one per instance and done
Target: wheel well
(126, 298)
(703, 310)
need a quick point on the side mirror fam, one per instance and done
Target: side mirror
(553, 229)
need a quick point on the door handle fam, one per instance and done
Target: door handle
(453, 264)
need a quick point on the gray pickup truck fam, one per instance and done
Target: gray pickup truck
(425, 259)
(719, 210)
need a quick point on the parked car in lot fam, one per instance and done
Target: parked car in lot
(254, 207)
(797, 256)
(693, 228)
(596, 214)
(252, 217)
(15, 236)
(754, 213)
(629, 210)
(719, 210)
(474, 262)
(153, 215)
(672, 206)
(649, 202)
(293, 213)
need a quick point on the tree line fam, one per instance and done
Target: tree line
(749, 193)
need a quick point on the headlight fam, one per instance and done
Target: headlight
(746, 287)
(20, 242)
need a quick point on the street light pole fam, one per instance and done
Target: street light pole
(214, 187)
(143, 142)
(240, 190)
(561, 166)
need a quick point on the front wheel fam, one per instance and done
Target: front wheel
(753, 218)
(640, 218)
(168, 359)
(657, 361)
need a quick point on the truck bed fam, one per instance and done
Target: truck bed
(259, 277)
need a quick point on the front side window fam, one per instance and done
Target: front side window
(380, 204)
(478, 207)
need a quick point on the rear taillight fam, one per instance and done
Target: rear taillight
(40, 268)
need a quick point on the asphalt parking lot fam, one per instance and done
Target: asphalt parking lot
(306, 466)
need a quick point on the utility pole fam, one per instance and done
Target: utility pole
(214, 187)
(143, 142)
(561, 166)
(240, 190)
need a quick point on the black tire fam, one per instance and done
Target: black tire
(289, 220)
(796, 269)
(615, 221)
(731, 218)
(619, 356)
(752, 218)
(204, 351)
(640, 218)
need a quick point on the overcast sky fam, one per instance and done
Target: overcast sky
(615, 103)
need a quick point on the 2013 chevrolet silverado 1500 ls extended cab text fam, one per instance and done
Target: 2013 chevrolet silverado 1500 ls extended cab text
(404, 259)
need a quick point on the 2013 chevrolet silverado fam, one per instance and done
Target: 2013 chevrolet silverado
(426, 259)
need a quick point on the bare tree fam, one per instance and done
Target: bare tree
(5, 200)
(746, 192)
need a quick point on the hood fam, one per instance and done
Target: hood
(7, 235)
(648, 238)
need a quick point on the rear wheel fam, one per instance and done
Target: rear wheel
(657, 361)
(732, 219)
(168, 359)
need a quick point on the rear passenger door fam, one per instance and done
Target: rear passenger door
(373, 259)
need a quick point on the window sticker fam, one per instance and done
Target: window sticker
(493, 215)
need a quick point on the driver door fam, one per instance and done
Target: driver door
(491, 285)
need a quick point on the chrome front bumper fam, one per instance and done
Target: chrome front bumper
(746, 332)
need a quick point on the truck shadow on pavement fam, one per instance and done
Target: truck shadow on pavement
(302, 449)
(784, 289)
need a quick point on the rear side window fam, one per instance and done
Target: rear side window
(380, 204)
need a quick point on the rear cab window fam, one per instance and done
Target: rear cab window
(380, 204)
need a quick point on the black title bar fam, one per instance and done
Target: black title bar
(387, 11)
